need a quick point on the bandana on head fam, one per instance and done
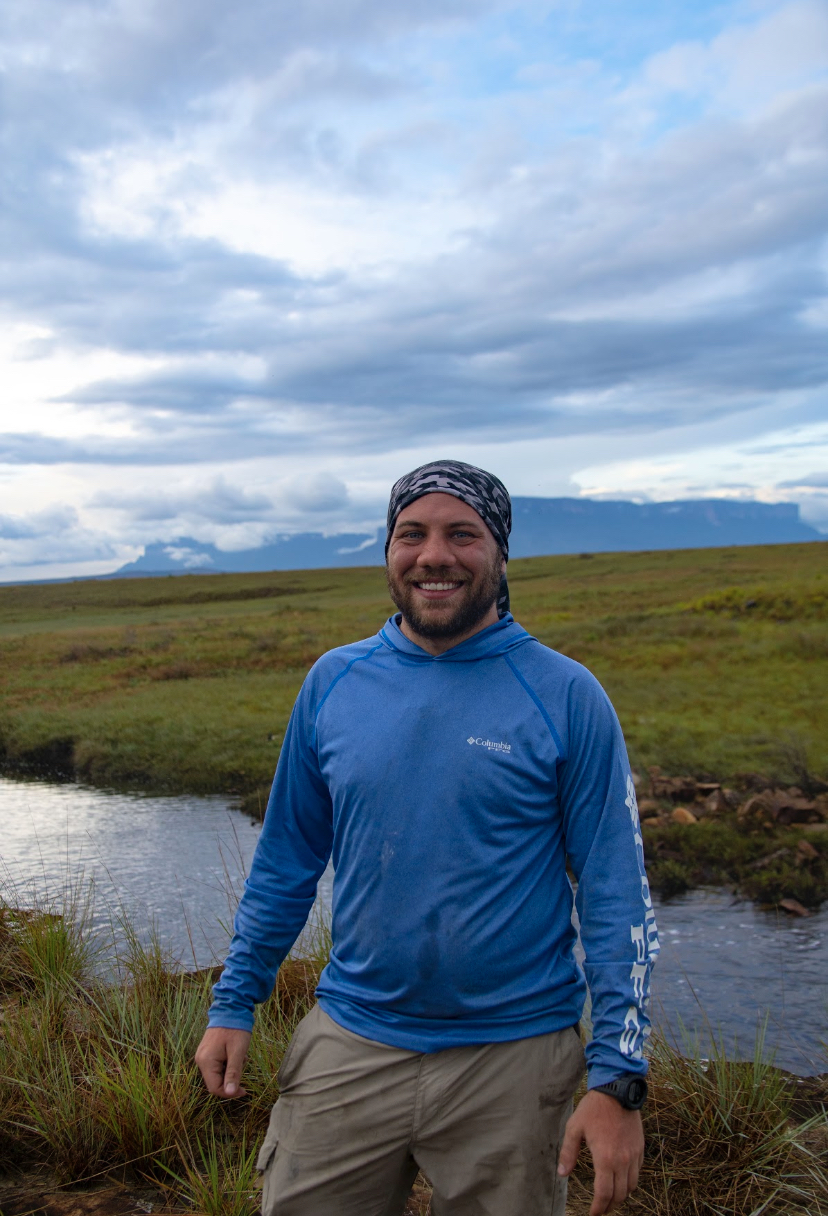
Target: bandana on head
(480, 490)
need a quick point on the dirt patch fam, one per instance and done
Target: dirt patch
(26, 1200)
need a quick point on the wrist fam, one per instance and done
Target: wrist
(629, 1090)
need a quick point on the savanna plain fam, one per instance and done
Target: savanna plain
(716, 661)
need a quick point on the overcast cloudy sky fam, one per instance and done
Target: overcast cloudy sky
(260, 258)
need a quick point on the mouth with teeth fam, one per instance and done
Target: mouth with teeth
(438, 589)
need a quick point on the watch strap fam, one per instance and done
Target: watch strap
(630, 1090)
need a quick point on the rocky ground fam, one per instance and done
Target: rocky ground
(767, 842)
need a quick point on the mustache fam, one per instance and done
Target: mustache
(436, 576)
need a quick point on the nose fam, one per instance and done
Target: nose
(435, 551)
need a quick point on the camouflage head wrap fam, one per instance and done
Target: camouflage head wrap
(480, 490)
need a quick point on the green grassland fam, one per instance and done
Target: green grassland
(716, 661)
(98, 1087)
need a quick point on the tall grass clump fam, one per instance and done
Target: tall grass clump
(50, 948)
(722, 1139)
(220, 1177)
(97, 1080)
(96, 1059)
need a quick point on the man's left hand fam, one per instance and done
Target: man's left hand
(615, 1138)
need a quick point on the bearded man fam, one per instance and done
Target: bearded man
(450, 766)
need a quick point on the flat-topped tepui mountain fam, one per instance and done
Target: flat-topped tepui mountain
(541, 526)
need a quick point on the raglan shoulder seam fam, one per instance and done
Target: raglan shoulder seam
(360, 658)
(527, 687)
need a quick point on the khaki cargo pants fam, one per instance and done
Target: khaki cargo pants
(356, 1119)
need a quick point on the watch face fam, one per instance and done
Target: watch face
(636, 1091)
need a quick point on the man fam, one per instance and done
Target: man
(450, 766)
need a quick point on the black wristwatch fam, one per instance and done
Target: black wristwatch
(630, 1090)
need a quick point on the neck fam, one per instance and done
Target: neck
(441, 645)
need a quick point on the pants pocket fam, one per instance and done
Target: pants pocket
(268, 1149)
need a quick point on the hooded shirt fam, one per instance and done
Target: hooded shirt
(450, 791)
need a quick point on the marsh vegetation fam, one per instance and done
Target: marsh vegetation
(98, 1089)
(715, 659)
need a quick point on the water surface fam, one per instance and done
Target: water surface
(179, 863)
(173, 864)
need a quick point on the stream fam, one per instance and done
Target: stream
(177, 864)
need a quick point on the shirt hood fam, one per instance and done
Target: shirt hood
(495, 640)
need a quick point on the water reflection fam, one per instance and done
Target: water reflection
(180, 862)
(177, 863)
(725, 964)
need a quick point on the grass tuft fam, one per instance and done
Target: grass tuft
(97, 1076)
(220, 1177)
(721, 1140)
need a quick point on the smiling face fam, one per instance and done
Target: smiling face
(444, 570)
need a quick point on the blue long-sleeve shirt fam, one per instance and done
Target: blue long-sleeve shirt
(450, 791)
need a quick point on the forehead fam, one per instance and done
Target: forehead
(439, 508)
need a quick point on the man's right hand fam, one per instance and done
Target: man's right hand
(220, 1056)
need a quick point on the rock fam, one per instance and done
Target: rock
(655, 821)
(638, 780)
(794, 907)
(751, 781)
(757, 812)
(794, 808)
(648, 806)
(677, 789)
(761, 862)
(805, 851)
(716, 803)
(682, 815)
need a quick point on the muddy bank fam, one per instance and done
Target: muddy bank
(768, 843)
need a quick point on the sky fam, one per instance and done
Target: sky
(258, 260)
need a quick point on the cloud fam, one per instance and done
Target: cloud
(189, 558)
(815, 480)
(315, 492)
(219, 502)
(221, 512)
(555, 298)
(54, 535)
(329, 235)
(55, 520)
(751, 61)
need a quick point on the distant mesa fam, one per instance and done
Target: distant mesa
(541, 526)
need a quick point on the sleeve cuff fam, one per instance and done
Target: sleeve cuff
(603, 1074)
(229, 1021)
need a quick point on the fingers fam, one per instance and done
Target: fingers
(612, 1188)
(570, 1147)
(604, 1193)
(615, 1138)
(220, 1058)
(212, 1070)
(237, 1051)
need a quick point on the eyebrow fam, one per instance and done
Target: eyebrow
(457, 523)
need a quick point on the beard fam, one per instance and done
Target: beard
(444, 620)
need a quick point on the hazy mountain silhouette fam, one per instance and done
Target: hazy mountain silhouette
(541, 525)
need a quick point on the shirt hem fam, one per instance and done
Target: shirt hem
(440, 1034)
